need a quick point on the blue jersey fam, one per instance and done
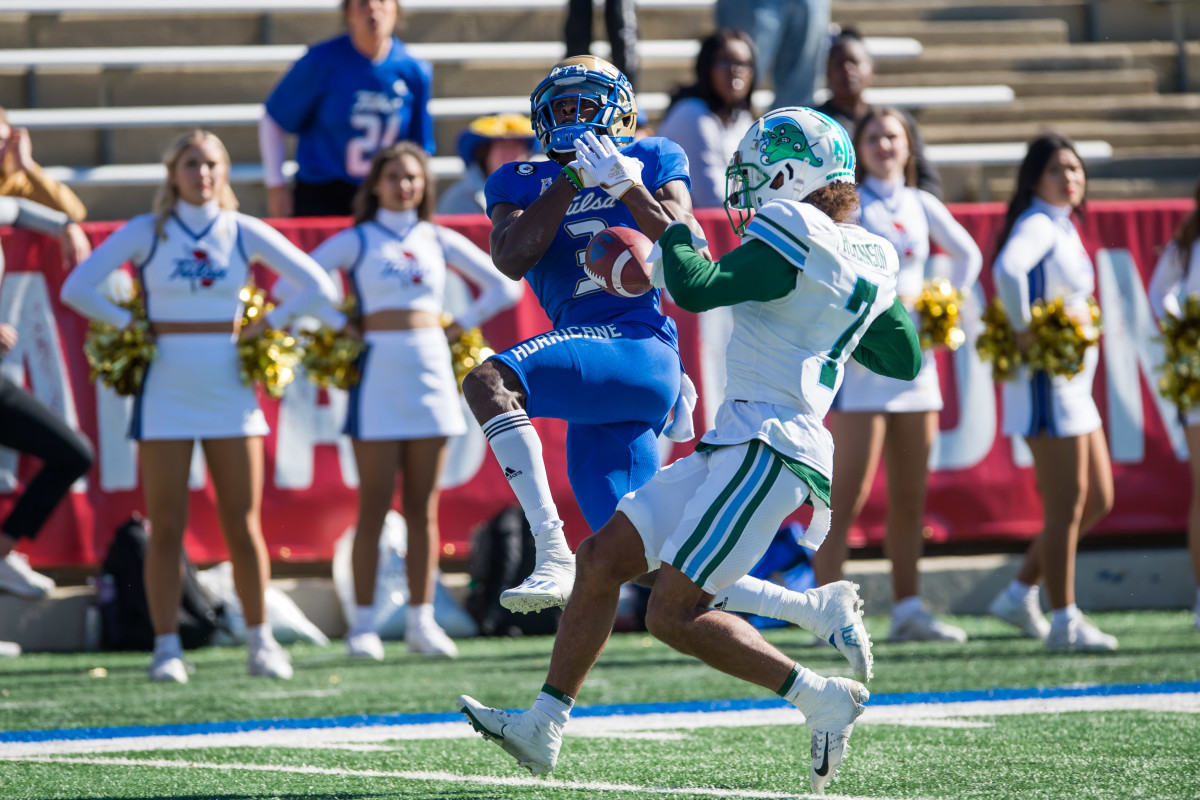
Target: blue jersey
(345, 108)
(567, 294)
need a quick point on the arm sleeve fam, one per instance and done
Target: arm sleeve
(948, 234)
(752, 271)
(81, 290)
(1031, 239)
(497, 291)
(1163, 290)
(28, 215)
(263, 243)
(34, 184)
(890, 347)
(272, 145)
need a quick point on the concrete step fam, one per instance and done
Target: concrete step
(1176, 133)
(1037, 84)
(1033, 57)
(1071, 12)
(1001, 188)
(932, 33)
(1146, 107)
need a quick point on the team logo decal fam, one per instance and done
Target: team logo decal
(402, 264)
(525, 169)
(197, 267)
(786, 141)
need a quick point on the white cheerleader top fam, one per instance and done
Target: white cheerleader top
(196, 269)
(909, 218)
(1043, 259)
(398, 261)
(1168, 284)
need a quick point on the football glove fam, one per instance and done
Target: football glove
(605, 166)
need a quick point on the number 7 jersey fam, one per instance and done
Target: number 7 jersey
(785, 359)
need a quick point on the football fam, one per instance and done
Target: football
(616, 261)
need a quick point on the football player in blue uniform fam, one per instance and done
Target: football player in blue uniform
(610, 367)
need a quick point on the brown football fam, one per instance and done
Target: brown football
(616, 261)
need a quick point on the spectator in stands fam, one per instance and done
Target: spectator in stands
(27, 426)
(620, 19)
(485, 145)
(194, 252)
(407, 403)
(850, 72)
(1176, 278)
(708, 118)
(20, 176)
(346, 99)
(1041, 257)
(791, 38)
(875, 415)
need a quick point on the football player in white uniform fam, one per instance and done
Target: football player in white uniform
(808, 290)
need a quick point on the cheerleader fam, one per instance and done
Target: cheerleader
(876, 415)
(407, 403)
(1042, 257)
(1177, 277)
(192, 255)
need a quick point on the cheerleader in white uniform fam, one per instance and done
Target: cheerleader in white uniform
(1042, 257)
(876, 415)
(1177, 277)
(192, 255)
(407, 403)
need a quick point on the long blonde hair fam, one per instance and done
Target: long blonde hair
(168, 194)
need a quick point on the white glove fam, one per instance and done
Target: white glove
(680, 428)
(604, 164)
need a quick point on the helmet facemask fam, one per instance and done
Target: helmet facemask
(602, 98)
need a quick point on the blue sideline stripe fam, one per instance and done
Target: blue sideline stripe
(628, 709)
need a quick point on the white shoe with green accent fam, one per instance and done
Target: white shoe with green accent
(842, 702)
(838, 620)
(531, 737)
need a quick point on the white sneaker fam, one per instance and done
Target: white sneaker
(270, 661)
(17, 577)
(922, 626)
(531, 737)
(1026, 614)
(836, 617)
(1079, 635)
(365, 645)
(549, 585)
(842, 702)
(9, 649)
(168, 669)
(428, 639)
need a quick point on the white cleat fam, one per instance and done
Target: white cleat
(1026, 614)
(365, 645)
(548, 586)
(842, 702)
(531, 737)
(838, 612)
(17, 577)
(922, 626)
(429, 639)
(168, 669)
(1079, 635)
(270, 661)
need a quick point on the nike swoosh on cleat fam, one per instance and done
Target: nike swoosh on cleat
(823, 770)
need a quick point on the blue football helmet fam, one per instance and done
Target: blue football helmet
(602, 98)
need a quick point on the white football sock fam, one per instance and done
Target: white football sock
(1061, 616)
(755, 596)
(517, 447)
(903, 609)
(259, 636)
(1018, 591)
(364, 620)
(803, 689)
(554, 704)
(168, 646)
(419, 615)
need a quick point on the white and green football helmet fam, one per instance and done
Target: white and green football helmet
(787, 154)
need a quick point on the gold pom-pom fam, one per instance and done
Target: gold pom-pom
(118, 357)
(271, 357)
(331, 358)
(1180, 381)
(939, 308)
(1061, 339)
(998, 343)
(467, 351)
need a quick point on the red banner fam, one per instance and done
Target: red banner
(980, 487)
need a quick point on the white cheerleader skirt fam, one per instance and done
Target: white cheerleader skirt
(864, 390)
(407, 390)
(193, 390)
(1038, 404)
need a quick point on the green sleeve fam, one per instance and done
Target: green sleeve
(890, 346)
(753, 271)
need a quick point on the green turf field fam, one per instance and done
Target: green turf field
(388, 730)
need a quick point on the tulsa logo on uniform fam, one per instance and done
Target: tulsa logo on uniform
(198, 268)
(402, 265)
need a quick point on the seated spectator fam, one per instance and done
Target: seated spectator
(346, 99)
(20, 175)
(850, 72)
(707, 119)
(485, 145)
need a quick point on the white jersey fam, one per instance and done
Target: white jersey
(397, 261)
(1043, 259)
(195, 270)
(785, 357)
(1169, 286)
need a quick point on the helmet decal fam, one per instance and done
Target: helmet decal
(786, 140)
